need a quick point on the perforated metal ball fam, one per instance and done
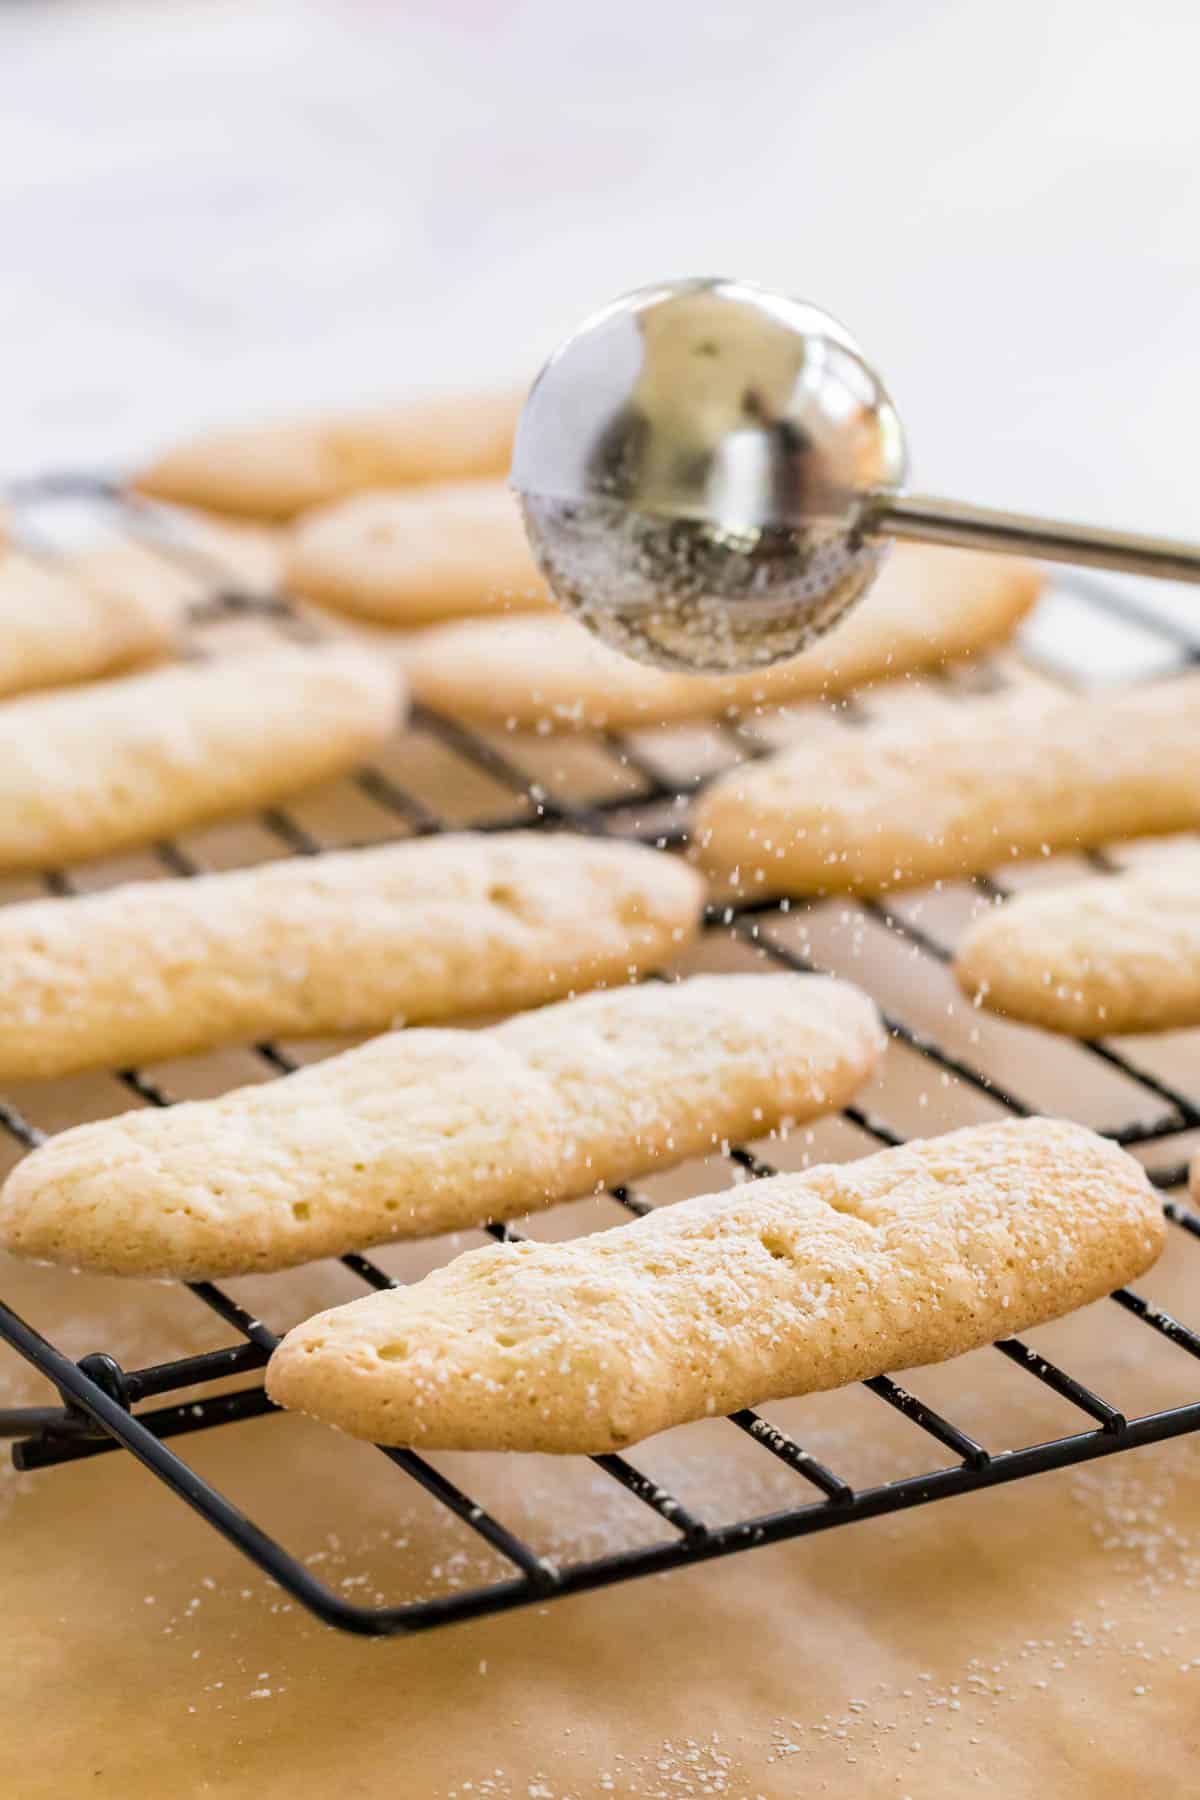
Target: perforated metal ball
(692, 465)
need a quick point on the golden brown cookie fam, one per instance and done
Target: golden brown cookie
(928, 606)
(427, 1131)
(57, 628)
(901, 805)
(781, 1287)
(408, 558)
(116, 763)
(276, 471)
(1117, 954)
(314, 946)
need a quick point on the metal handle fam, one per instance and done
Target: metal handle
(931, 521)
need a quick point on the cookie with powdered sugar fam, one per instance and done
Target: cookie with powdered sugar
(787, 1286)
(427, 1131)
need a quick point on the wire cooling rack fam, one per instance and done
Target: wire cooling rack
(100, 1398)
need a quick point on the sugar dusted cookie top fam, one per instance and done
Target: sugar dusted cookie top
(409, 933)
(275, 471)
(928, 605)
(1120, 953)
(780, 1287)
(94, 769)
(407, 557)
(426, 1131)
(899, 805)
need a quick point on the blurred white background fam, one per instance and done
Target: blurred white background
(215, 211)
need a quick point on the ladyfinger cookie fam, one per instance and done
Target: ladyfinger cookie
(219, 556)
(117, 763)
(782, 1287)
(56, 628)
(427, 1131)
(903, 805)
(408, 558)
(928, 606)
(359, 941)
(276, 471)
(1120, 953)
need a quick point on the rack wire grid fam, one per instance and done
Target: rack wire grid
(100, 1398)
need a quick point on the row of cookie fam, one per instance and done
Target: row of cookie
(401, 516)
(396, 562)
(783, 1286)
(81, 616)
(529, 668)
(351, 941)
(698, 1354)
(903, 806)
(407, 559)
(456, 553)
(81, 619)
(377, 537)
(1121, 956)
(123, 762)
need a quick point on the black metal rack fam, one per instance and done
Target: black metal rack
(100, 1397)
